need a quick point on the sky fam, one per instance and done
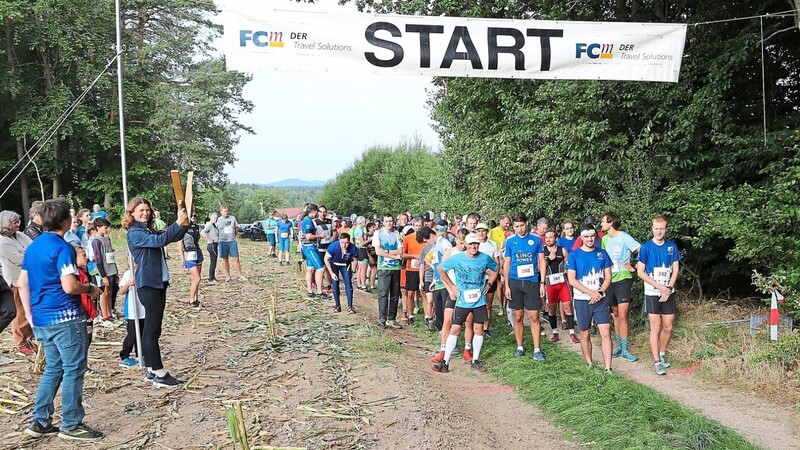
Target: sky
(313, 125)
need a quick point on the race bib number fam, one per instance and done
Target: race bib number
(556, 278)
(284, 235)
(191, 256)
(660, 275)
(110, 259)
(415, 264)
(227, 229)
(525, 271)
(472, 295)
(591, 283)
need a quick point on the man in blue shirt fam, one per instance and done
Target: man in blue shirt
(471, 268)
(97, 212)
(589, 274)
(525, 269)
(341, 259)
(308, 243)
(50, 295)
(658, 267)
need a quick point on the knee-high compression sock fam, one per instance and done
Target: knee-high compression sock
(450, 345)
(552, 320)
(477, 343)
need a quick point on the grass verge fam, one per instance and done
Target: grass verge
(606, 411)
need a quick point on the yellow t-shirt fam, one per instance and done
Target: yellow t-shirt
(498, 236)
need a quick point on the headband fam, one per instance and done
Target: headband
(588, 233)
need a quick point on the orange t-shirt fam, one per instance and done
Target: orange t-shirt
(412, 247)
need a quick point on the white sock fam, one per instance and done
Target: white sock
(160, 372)
(450, 346)
(536, 349)
(468, 346)
(571, 331)
(477, 342)
(520, 348)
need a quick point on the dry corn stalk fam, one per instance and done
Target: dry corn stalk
(38, 361)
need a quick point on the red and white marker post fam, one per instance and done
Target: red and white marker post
(773, 315)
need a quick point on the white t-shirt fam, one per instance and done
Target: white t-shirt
(126, 278)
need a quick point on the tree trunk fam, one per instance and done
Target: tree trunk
(23, 178)
(56, 178)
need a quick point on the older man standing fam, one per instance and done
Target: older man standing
(228, 248)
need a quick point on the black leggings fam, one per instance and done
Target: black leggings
(154, 300)
(129, 343)
(213, 251)
(440, 297)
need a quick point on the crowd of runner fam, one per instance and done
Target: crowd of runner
(458, 271)
(60, 279)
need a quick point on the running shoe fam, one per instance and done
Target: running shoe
(477, 366)
(410, 320)
(337, 308)
(660, 369)
(416, 309)
(554, 337)
(617, 352)
(519, 352)
(438, 358)
(212, 282)
(608, 371)
(311, 295)
(441, 367)
(167, 381)
(195, 304)
(627, 356)
(538, 356)
(38, 430)
(322, 296)
(664, 362)
(589, 366)
(81, 433)
(468, 355)
(563, 324)
(228, 279)
(128, 363)
(574, 338)
(393, 324)
(351, 310)
(148, 377)
(27, 348)
(4, 360)
(241, 278)
(382, 323)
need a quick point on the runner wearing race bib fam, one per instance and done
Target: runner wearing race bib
(411, 256)
(524, 268)
(471, 268)
(490, 248)
(620, 246)
(658, 267)
(284, 231)
(271, 231)
(387, 244)
(589, 273)
(558, 292)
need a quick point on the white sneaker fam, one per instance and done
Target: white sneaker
(6, 360)
(241, 278)
(212, 282)
(227, 279)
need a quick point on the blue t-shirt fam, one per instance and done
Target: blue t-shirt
(588, 267)
(342, 258)
(307, 226)
(270, 222)
(470, 277)
(95, 215)
(284, 227)
(46, 260)
(619, 249)
(566, 242)
(658, 261)
(524, 256)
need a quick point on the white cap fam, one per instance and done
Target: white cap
(472, 238)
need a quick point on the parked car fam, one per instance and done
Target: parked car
(257, 232)
(245, 230)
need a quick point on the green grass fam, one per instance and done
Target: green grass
(377, 343)
(609, 411)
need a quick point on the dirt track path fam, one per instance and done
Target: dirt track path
(289, 389)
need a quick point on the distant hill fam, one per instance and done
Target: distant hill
(295, 182)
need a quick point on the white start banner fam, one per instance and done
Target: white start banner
(259, 36)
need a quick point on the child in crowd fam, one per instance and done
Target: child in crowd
(87, 303)
(131, 300)
(106, 267)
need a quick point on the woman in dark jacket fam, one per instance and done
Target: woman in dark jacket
(152, 278)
